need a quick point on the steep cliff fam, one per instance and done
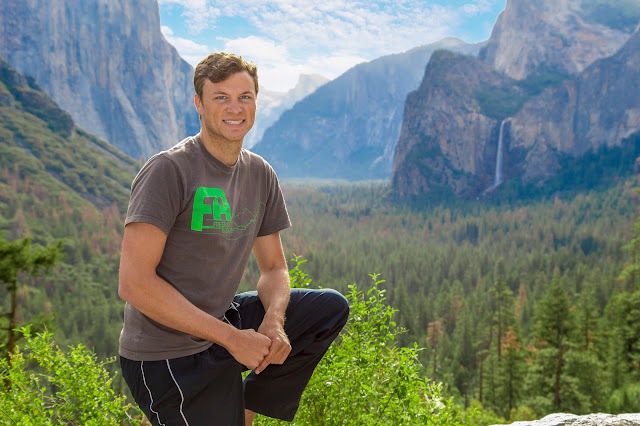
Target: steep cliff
(349, 127)
(271, 104)
(560, 113)
(107, 64)
(599, 107)
(448, 138)
(561, 36)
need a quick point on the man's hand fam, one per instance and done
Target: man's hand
(249, 348)
(280, 346)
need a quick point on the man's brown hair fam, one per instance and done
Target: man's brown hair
(219, 66)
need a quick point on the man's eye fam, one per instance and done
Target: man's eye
(245, 97)
(221, 97)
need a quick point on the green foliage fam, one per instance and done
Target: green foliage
(499, 102)
(536, 82)
(625, 399)
(49, 387)
(631, 271)
(365, 378)
(298, 278)
(31, 97)
(17, 256)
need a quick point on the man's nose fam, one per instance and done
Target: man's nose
(234, 107)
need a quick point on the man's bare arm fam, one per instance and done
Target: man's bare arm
(273, 291)
(142, 249)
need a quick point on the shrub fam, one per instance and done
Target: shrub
(364, 379)
(44, 386)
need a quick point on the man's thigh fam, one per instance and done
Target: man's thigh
(200, 389)
(313, 320)
(310, 313)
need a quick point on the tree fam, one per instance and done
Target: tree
(511, 369)
(20, 256)
(631, 272)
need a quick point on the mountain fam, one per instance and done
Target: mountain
(272, 104)
(600, 107)
(471, 126)
(59, 182)
(348, 127)
(107, 64)
(562, 36)
(447, 138)
(41, 143)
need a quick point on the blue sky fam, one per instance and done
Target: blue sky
(286, 38)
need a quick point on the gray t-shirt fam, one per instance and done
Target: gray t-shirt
(212, 214)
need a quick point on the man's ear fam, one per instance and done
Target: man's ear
(198, 104)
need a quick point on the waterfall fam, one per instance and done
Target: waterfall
(498, 178)
(499, 156)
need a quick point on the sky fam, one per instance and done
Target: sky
(287, 38)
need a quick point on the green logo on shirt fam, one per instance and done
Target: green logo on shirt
(212, 214)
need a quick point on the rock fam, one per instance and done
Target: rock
(562, 36)
(601, 106)
(451, 124)
(107, 64)
(597, 419)
(448, 140)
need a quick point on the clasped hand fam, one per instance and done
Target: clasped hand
(256, 350)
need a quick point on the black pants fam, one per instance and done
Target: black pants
(207, 388)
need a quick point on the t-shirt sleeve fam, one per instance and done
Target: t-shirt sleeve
(156, 194)
(276, 217)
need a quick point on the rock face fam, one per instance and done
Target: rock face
(599, 107)
(446, 143)
(563, 36)
(597, 419)
(271, 105)
(348, 128)
(107, 64)
(450, 135)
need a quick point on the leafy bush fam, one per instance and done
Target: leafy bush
(44, 386)
(364, 378)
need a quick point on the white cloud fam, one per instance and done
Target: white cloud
(200, 14)
(325, 37)
(190, 51)
(261, 49)
(477, 7)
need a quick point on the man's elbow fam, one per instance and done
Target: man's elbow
(126, 288)
(123, 290)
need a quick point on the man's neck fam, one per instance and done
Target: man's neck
(223, 150)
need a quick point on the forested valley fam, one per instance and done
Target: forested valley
(525, 303)
(522, 309)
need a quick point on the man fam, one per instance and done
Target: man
(196, 212)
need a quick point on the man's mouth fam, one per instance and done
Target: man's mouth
(233, 121)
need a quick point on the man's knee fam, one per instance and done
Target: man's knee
(337, 305)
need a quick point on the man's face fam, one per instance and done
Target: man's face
(228, 108)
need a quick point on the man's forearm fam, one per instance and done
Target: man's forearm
(273, 291)
(161, 302)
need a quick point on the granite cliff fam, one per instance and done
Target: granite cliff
(348, 128)
(601, 106)
(453, 123)
(447, 138)
(107, 64)
(563, 36)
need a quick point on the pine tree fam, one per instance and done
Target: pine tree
(19, 256)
